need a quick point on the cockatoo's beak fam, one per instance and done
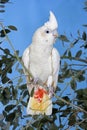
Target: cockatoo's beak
(52, 23)
(55, 33)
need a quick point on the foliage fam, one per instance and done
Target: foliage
(2, 5)
(70, 102)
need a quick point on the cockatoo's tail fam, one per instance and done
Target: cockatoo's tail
(39, 94)
(40, 103)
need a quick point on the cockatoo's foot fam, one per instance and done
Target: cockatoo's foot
(51, 91)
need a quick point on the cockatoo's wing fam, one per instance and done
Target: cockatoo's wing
(55, 65)
(26, 62)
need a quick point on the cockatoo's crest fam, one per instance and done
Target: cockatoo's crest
(52, 23)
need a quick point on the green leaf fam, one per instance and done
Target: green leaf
(66, 98)
(23, 87)
(25, 93)
(54, 111)
(2, 32)
(60, 103)
(2, 11)
(84, 36)
(65, 66)
(85, 3)
(80, 78)
(32, 92)
(63, 38)
(2, 6)
(9, 107)
(53, 127)
(4, 113)
(65, 53)
(5, 79)
(4, 1)
(66, 112)
(10, 117)
(60, 79)
(12, 27)
(36, 124)
(28, 128)
(6, 93)
(14, 92)
(78, 54)
(67, 73)
(85, 25)
(1, 42)
(7, 51)
(69, 54)
(85, 46)
(72, 119)
(76, 41)
(73, 84)
(85, 8)
(24, 103)
(46, 119)
(79, 92)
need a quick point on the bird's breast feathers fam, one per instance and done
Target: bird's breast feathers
(40, 65)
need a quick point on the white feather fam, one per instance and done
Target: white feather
(52, 23)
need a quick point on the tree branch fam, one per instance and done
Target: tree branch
(68, 103)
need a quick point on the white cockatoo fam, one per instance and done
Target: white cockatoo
(42, 61)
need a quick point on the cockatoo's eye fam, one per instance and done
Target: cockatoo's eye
(47, 31)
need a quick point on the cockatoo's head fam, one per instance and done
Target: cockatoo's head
(47, 34)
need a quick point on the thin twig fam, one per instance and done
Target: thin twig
(79, 123)
(4, 50)
(74, 58)
(14, 78)
(67, 84)
(85, 65)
